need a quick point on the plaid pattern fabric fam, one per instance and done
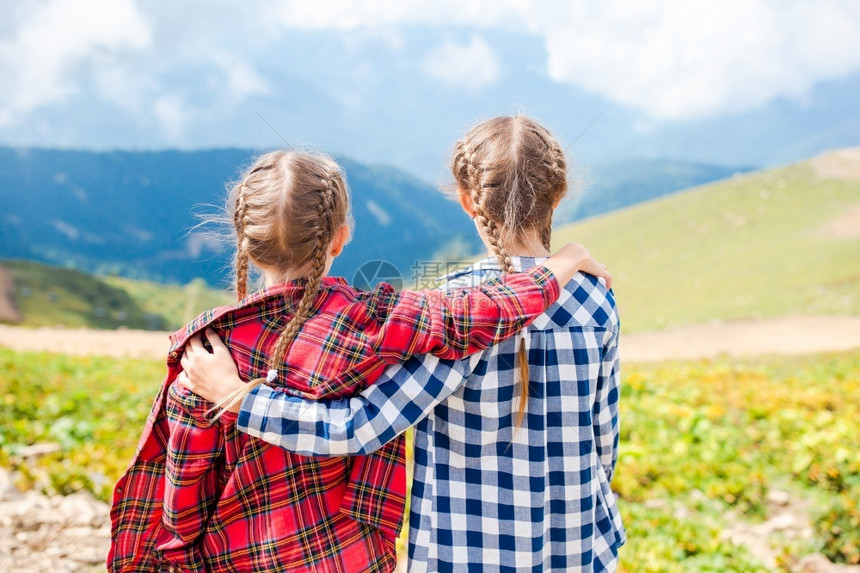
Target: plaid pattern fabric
(206, 497)
(485, 496)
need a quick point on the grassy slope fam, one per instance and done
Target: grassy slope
(176, 304)
(50, 296)
(745, 247)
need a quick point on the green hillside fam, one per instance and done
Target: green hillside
(50, 296)
(771, 243)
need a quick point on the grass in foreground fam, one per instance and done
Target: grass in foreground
(701, 442)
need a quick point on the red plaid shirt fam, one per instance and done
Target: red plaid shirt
(200, 497)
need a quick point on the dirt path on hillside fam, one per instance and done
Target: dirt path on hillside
(87, 342)
(790, 335)
(838, 164)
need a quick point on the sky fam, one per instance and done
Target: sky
(732, 82)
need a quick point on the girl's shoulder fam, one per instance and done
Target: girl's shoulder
(341, 296)
(583, 302)
(261, 306)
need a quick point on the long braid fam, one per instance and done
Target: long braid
(318, 261)
(491, 231)
(325, 229)
(515, 173)
(557, 170)
(241, 258)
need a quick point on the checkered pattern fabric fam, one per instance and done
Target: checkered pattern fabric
(487, 496)
(205, 497)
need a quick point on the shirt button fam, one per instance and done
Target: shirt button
(173, 354)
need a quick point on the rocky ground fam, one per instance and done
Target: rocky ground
(56, 534)
(787, 519)
(40, 533)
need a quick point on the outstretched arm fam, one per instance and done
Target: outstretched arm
(402, 396)
(464, 321)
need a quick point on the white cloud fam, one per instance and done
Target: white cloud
(351, 15)
(53, 40)
(677, 60)
(673, 59)
(51, 50)
(172, 114)
(184, 69)
(467, 66)
(381, 215)
(240, 79)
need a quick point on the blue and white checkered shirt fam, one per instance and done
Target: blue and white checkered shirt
(485, 495)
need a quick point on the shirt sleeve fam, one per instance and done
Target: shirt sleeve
(402, 396)
(605, 416)
(461, 322)
(191, 488)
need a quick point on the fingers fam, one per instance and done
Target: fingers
(195, 344)
(184, 380)
(188, 362)
(215, 341)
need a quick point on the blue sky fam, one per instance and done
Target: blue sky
(738, 82)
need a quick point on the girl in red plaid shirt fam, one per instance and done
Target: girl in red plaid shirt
(200, 495)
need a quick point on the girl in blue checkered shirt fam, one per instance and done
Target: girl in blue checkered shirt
(514, 447)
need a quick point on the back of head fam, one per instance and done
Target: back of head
(286, 209)
(515, 172)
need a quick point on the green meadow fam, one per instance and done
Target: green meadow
(752, 246)
(703, 443)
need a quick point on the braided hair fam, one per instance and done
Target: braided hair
(286, 211)
(515, 173)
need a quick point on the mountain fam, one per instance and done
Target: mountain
(769, 243)
(608, 186)
(44, 295)
(136, 214)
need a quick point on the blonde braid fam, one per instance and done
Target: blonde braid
(325, 231)
(241, 258)
(491, 230)
(515, 173)
(318, 261)
(557, 167)
(324, 234)
(546, 234)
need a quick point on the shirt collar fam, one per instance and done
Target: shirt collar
(491, 265)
